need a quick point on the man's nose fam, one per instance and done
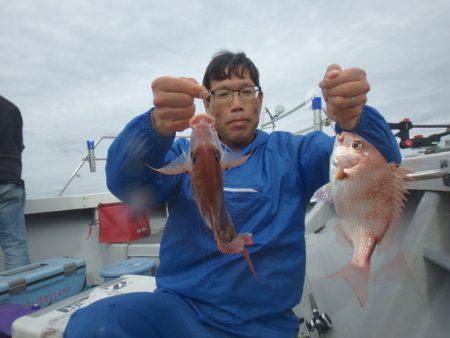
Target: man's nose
(236, 101)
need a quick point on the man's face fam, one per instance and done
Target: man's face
(236, 120)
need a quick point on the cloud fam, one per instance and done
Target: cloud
(80, 70)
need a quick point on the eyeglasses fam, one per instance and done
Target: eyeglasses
(226, 95)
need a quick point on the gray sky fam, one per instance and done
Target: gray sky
(79, 70)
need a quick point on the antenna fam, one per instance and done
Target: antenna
(279, 110)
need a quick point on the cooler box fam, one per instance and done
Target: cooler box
(52, 321)
(133, 266)
(43, 282)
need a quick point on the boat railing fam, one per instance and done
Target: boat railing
(90, 158)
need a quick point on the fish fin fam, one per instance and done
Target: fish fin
(208, 223)
(358, 279)
(249, 261)
(341, 236)
(398, 202)
(237, 244)
(400, 191)
(178, 166)
(395, 269)
(323, 194)
(213, 224)
(233, 159)
(247, 237)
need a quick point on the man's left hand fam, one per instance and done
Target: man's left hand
(345, 92)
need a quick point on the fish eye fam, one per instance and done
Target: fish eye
(357, 144)
(194, 159)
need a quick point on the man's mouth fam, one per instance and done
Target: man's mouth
(238, 123)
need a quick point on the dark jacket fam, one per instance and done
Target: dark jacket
(11, 143)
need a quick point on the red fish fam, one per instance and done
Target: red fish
(368, 196)
(205, 163)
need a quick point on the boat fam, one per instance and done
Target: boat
(415, 305)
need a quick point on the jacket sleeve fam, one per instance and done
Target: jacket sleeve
(316, 149)
(127, 175)
(373, 127)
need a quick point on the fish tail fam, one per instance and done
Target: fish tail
(249, 261)
(237, 246)
(247, 238)
(357, 277)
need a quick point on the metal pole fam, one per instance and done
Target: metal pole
(83, 161)
(431, 125)
(427, 174)
(73, 176)
(301, 105)
(317, 108)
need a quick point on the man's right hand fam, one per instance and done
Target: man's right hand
(174, 103)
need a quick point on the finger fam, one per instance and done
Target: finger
(171, 99)
(347, 75)
(179, 85)
(167, 127)
(331, 112)
(177, 113)
(341, 102)
(349, 89)
(325, 94)
(180, 125)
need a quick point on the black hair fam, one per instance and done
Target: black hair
(224, 64)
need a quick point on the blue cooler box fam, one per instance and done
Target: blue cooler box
(43, 282)
(132, 266)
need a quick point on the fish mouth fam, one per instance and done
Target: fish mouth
(346, 161)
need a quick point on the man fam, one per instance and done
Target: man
(13, 239)
(202, 293)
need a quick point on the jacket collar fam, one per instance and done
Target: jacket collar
(259, 140)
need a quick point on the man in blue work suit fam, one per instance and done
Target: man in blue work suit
(201, 292)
